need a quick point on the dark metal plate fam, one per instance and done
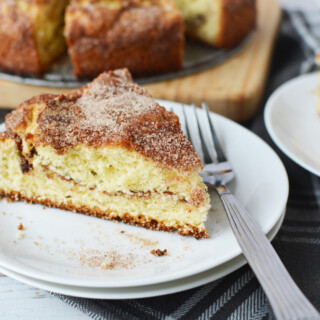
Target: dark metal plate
(198, 57)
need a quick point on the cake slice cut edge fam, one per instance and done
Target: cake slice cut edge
(31, 35)
(107, 150)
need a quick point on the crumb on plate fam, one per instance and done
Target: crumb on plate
(20, 234)
(107, 265)
(158, 252)
(20, 226)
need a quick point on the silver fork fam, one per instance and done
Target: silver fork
(286, 299)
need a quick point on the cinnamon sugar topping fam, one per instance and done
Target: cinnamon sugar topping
(112, 110)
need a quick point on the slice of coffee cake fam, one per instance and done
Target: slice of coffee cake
(106, 150)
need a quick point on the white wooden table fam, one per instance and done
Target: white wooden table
(20, 301)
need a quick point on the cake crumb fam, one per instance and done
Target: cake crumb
(106, 260)
(107, 265)
(20, 235)
(20, 226)
(44, 208)
(36, 243)
(3, 213)
(121, 231)
(158, 252)
(136, 239)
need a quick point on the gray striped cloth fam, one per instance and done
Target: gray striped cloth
(306, 22)
(239, 295)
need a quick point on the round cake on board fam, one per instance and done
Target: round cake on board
(146, 36)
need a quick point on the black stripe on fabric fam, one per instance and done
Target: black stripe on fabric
(293, 201)
(305, 206)
(221, 289)
(293, 223)
(237, 300)
(133, 310)
(301, 194)
(312, 242)
(299, 229)
(268, 317)
(302, 237)
(169, 303)
(125, 312)
(93, 309)
(302, 261)
(300, 208)
(301, 199)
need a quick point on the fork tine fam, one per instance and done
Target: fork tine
(213, 144)
(194, 131)
(208, 138)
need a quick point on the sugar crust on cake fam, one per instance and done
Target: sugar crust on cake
(107, 150)
(112, 110)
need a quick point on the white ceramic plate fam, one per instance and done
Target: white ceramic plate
(67, 248)
(293, 122)
(143, 291)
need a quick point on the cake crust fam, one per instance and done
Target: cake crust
(112, 110)
(18, 49)
(145, 39)
(140, 221)
(237, 20)
(232, 19)
(28, 46)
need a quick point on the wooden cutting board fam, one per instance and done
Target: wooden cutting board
(233, 89)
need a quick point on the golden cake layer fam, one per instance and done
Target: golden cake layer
(107, 150)
(220, 23)
(31, 34)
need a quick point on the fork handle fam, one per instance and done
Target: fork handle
(286, 299)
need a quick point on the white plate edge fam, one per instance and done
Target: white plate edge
(226, 268)
(268, 122)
